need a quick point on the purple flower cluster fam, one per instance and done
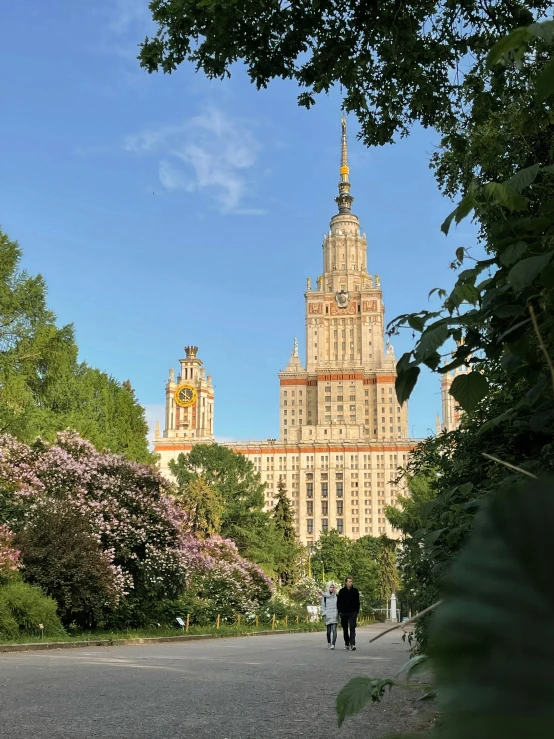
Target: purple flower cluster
(141, 529)
(9, 556)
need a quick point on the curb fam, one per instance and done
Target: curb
(41, 646)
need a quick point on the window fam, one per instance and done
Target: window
(310, 526)
(324, 489)
(340, 507)
(352, 397)
(340, 526)
(340, 489)
(324, 524)
(309, 490)
(324, 507)
(310, 508)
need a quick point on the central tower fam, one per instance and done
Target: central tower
(346, 390)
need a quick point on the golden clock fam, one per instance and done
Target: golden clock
(185, 396)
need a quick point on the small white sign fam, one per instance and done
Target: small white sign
(180, 621)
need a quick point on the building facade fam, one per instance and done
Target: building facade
(451, 411)
(343, 434)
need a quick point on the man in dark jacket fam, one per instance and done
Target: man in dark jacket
(348, 605)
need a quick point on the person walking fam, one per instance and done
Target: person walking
(330, 612)
(348, 604)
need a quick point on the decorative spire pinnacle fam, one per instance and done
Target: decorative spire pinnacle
(344, 199)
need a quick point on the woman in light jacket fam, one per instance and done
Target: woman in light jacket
(330, 612)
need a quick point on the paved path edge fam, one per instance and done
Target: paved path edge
(38, 646)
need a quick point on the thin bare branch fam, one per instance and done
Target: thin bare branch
(510, 466)
(409, 621)
(542, 344)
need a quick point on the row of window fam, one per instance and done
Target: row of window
(324, 525)
(340, 525)
(338, 389)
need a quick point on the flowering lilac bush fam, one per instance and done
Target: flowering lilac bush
(9, 555)
(230, 583)
(136, 548)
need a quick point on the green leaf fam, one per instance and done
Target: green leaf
(491, 640)
(524, 272)
(460, 253)
(355, 695)
(523, 178)
(445, 228)
(404, 362)
(464, 293)
(433, 361)
(544, 30)
(440, 290)
(416, 322)
(513, 252)
(541, 421)
(513, 41)
(467, 204)
(544, 84)
(415, 664)
(504, 196)
(405, 383)
(431, 339)
(468, 390)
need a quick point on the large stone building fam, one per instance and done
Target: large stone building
(451, 411)
(343, 434)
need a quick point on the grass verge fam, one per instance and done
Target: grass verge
(154, 632)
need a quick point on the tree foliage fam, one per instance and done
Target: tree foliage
(104, 537)
(43, 387)
(62, 555)
(490, 639)
(397, 63)
(370, 561)
(243, 519)
(202, 504)
(283, 521)
(500, 309)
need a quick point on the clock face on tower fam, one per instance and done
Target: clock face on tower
(185, 396)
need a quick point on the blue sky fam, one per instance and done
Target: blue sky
(168, 210)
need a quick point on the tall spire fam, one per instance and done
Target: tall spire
(344, 199)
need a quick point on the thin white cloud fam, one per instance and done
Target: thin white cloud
(212, 153)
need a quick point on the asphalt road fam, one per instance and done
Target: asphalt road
(268, 687)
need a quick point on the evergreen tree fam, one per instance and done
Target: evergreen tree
(202, 504)
(287, 549)
(242, 494)
(283, 515)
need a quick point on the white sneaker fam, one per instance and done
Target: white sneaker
(329, 646)
(332, 646)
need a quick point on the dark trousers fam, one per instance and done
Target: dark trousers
(349, 620)
(331, 633)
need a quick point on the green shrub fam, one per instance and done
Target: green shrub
(23, 607)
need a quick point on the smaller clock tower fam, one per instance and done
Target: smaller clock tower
(189, 401)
